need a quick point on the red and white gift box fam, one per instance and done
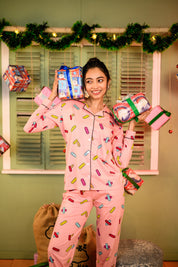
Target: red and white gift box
(44, 94)
(70, 82)
(3, 145)
(17, 78)
(130, 108)
(157, 117)
(132, 181)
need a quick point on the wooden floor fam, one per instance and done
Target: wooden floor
(16, 263)
(27, 263)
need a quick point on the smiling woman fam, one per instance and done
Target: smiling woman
(93, 174)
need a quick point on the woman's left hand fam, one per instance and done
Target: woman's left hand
(141, 117)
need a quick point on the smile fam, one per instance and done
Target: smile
(96, 92)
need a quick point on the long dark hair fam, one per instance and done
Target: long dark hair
(95, 63)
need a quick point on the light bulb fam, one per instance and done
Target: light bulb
(94, 36)
(114, 36)
(54, 34)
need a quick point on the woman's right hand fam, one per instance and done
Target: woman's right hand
(54, 91)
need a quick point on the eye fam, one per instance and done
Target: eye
(100, 80)
(88, 81)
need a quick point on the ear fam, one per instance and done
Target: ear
(109, 82)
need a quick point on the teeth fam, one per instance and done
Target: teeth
(96, 91)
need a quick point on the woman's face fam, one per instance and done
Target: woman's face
(96, 83)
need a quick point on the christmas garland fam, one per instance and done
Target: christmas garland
(133, 32)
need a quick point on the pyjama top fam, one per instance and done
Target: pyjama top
(96, 148)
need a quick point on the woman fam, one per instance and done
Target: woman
(96, 151)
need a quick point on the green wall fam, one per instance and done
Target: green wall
(152, 213)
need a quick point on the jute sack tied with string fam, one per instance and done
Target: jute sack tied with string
(43, 225)
(85, 253)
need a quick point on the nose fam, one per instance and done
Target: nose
(95, 85)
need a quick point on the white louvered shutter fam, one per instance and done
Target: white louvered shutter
(134, 76)
(26, 149)
(131, 72)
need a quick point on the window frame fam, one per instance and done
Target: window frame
(156, 73)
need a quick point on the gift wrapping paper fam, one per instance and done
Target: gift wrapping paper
(157, 117)
(70, 82)
(130, 107)
(132, 181)
(3, 145)
(44, 94)
(16, 78)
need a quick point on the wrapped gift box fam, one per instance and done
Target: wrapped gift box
(17, 78)
(45, 93)
(3, 145)
(70, 82)
(132, 181)
(130, 108)
(157, 117)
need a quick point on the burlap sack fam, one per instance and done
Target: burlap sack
(85, 253)
(43, 224)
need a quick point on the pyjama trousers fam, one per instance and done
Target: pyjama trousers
(74, 211)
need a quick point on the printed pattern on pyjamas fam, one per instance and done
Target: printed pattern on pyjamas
(96, 151)
(74, 211)
(96, 148)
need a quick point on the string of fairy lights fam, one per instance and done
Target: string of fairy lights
(21, 37)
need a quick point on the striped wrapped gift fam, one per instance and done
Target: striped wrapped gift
(157, 117)
(130, 108)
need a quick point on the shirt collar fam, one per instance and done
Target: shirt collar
(99, 113)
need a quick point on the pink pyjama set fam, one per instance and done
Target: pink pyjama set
(96, 151)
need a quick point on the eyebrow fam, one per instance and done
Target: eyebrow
(96, 78)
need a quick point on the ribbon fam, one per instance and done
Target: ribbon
(168, 114)
(132, 105)
(130, 179)
(67, 69)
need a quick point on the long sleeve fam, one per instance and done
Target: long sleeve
(122, 147)
(39, 121)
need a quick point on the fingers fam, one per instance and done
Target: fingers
(54, 92)
(55, 83)
(143, 116)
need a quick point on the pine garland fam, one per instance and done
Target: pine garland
(133, 32)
